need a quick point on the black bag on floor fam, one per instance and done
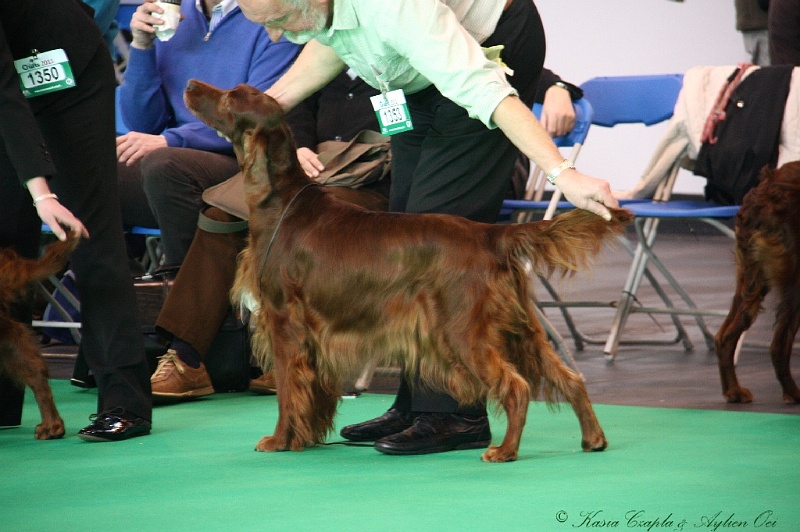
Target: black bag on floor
(228, 358)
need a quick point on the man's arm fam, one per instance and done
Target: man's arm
(527, 134)
(315, 67)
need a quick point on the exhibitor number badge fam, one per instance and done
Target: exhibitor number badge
(392, 112)
(43, 73)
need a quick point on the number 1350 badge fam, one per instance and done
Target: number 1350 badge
(43, 73)
(392, 112)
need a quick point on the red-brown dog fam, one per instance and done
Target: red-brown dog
(767, 258)
(339, 286)
(19, 355)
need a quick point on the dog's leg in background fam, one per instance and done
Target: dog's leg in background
(22, 360)
(786, 326)
(751, 287)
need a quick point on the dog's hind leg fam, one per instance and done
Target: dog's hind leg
(751, 288)
(26, 364)
(786, 326)
(561, 381)
(572, 388)
(513, 393)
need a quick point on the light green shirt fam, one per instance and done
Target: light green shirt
(411, 44)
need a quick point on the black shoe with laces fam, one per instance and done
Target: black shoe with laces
(437, 433)
(392, 422)
(114, 425)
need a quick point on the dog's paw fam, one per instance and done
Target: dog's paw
(50, 432)
(598, 443)
(269, 444)
(498, 454)
(791, 398)
(738, 395)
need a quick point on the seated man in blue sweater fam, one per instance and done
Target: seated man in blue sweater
(170, 156)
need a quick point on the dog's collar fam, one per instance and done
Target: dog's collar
(278, 225)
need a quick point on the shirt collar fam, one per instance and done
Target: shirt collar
(227, 6)
(344, 16)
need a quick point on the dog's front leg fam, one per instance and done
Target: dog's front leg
(299, 423)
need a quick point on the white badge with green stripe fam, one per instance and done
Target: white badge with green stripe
(392, 112)
(43, 73)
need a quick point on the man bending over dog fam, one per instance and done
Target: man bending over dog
(456, 155)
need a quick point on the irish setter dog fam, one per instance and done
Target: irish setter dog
(19, 354)
(338, 286)
(767, 258)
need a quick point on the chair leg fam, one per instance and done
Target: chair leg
(80, 373)
(364, 380)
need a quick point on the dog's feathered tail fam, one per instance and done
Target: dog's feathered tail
(566, 243)
(16, 272)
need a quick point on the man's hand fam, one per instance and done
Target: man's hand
(586, 192)
(133, 146)
(309, 162)
(558, 114)
(143, 21)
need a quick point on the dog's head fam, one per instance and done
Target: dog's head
(251, 120)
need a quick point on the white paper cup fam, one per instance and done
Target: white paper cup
(171, 16)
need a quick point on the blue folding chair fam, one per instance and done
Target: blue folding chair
(650, 100)
(524, 209)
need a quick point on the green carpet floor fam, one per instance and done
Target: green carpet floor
(665, 469)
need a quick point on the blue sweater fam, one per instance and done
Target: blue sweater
(238, 51)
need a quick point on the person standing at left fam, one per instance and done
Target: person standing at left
(58, 166)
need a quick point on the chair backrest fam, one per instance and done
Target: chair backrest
(632, 99)
(644, 100)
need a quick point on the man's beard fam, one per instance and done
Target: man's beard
(317, 20)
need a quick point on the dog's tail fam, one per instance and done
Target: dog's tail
(564, 244)
(16, 272)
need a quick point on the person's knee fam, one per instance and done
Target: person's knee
(161, 175)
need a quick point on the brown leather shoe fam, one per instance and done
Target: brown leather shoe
(174, 380)
(264, 385)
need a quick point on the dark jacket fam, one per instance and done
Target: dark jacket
(42, 25)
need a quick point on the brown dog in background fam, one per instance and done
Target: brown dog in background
(338, 286)
(19, 354)
(767, 258)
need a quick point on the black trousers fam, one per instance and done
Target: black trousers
(451, 163)
(78, 127)
(165, 189)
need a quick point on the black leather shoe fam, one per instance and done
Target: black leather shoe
(114, 425)
(392, 422)
(437, 433)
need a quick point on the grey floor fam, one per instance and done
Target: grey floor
(659, 376)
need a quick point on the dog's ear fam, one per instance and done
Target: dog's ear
(252, 159)
(281, 152)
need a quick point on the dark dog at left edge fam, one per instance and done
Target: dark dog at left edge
(19, 354)
(338, 286)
